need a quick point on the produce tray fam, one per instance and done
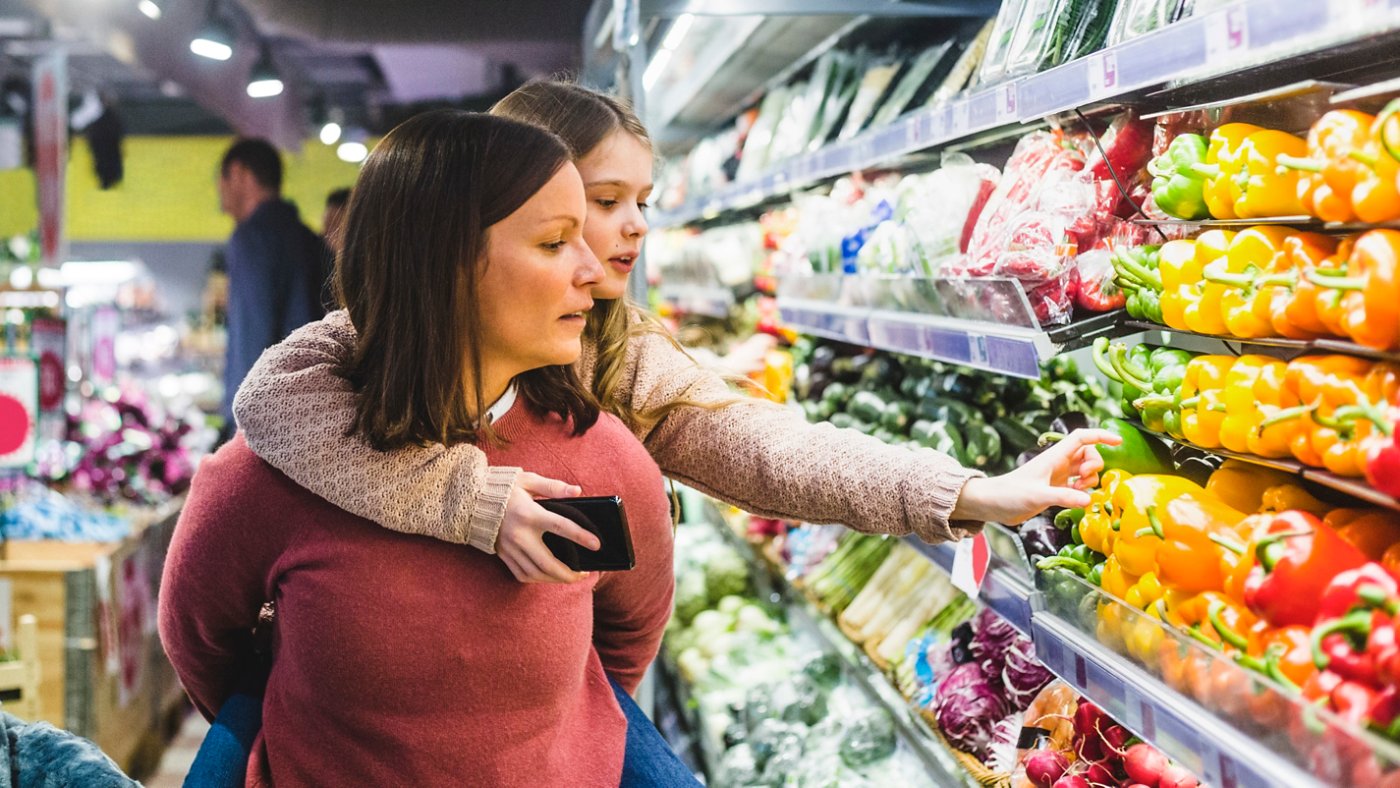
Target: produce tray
(1230, 726)
(1278, 346)
(1297, 222)
(1004, 590)
(1357, 488)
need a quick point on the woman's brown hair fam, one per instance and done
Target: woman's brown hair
(584, 118)
(417, 223)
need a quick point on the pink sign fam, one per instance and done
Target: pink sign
(51, 152)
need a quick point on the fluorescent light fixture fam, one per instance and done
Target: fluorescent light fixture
(330, 133)
(655, 67)
(22, 277)
(679, 28)
(150, 8)
(214, 40)
(352, 152)
(263, 80)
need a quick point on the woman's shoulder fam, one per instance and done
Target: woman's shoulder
(234, 479)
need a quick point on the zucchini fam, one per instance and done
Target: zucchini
(945, 409)
(940, 436)
(960, 386)
(812, 411)
(983, 445)
(866, 406)
(909, 387)
(1016, 437)
(994, 410)
(836, 393)
(825, 410)
(883, 435)
(863, 427)
(896, 416)
(882, 371)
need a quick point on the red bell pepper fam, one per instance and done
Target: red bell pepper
(1368, 585)
(1340, 645)
(1296, 559)
(1383, 456)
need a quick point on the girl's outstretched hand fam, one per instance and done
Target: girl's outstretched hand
(1058, 476)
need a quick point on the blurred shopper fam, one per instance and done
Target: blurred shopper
(275, 262)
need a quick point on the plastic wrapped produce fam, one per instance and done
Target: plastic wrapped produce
(999, 39)
(910, 83)
(1136, 17)
(1080, 28)
(942, 207)
(873, 85)
(1033, 30)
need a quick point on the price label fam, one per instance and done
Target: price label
(938, 125)
(1227, 34)
(1357, 15)
(960, 121)
(19, 410)
(1103, 74)
(977, 349)
(970, 561)
(1006, 103)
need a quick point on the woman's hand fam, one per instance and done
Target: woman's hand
(1057, 477)
(520, 542)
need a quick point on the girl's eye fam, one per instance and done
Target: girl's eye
(644, 205)
(606, 203)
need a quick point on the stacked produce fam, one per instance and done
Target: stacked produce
(1040, 34)
(1282, 591)
(905, 595)
(1326, 411)
(1270, 281)
(983, 420)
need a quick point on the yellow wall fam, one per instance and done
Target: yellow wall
(168, 193)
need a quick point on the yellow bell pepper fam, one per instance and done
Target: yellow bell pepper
(1238, 274)
(1284, 497)
(1202, 313)
(1202, 399)
(1242, 486)
(1223, 168)
(1110, 623)
(1138, 499)
(1114, 580)
(1181, 279)
(1266, 189)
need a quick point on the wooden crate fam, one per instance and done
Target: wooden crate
(95, 604)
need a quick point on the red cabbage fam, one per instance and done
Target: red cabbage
(992, 637)
(968, 709)
(1023, 676)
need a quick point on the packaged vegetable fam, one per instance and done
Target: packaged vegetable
(910, 83)
(873, 85)
(1136, 17)
(999, 38)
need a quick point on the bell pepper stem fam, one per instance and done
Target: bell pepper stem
(1286, 279)
(1345, 418)
(1227, 543)
(1375, 597)
(1273, 671)
(1336, 281)
(1286, 163)
(1154, 525)
(1195, 634)
(1117, 356)
(1264, 548)
(1047, 438)
(1287, 414)
(1100, 356)
(1061, 562)
(1218, 275)
(1203, 170)
(1153, 401)
(1226, 633)
(1138, 272)
(1357, 622)
(1364, 157)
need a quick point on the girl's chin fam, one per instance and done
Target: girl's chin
(610, 290)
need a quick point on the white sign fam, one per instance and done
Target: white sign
(970, 562)
(19, 410)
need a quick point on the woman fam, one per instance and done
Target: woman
(400, 660)
(294, 409)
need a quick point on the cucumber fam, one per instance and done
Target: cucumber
(842, 420)
(991, 411)
(947, 409)
(909, 387)
(883, 435)
(812, 411)
(983, 445)
(961, 386)
(826, 410)
(1015, 436)
(882, 371)
(939, 436)
(863, 427)
(866, 406)
(836, 393)
(896, 416)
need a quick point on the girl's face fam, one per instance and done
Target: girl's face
(537, 283)
(617, 181)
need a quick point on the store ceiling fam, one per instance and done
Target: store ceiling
(373, 60)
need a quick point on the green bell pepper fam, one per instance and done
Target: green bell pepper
(1177, 187)
(1138, 453)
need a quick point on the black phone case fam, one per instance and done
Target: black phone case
(606, 518)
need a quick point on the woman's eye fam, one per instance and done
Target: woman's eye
(606, 203)
(555, 246)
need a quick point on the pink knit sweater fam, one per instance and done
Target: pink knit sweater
(295, 411)
(401, 660)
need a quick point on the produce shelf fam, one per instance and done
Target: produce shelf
(1186, 733)
(707, 301)
(1297, 222)
(1285, 348)
(1003, 590)
(1250, 39)
(1010, 349)
(913, 731)
(1357, 488)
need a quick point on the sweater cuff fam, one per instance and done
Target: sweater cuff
(485, 523)
(930, 521)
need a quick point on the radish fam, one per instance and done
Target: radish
(1145, 764)
(1099, 774)
(1089, 748)
(1087, 717)
(1071, 781)
(1139, 785)
(1115, 739)
(1044, 767)
(1177, 777)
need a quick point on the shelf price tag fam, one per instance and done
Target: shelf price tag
(1103, 74)
(1006, 103)
(1227, 33)
(1357, 15)
(960, 119)
(970, 562)
(938, 125)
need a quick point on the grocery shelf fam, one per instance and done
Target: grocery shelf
(1356, 488)
(706, 301)
(997, 347)
(1202, 742)
(1284, 348)
(912, 729)
(1254, 34)
(1296, 222)
(1003, 590)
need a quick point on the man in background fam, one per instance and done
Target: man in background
(275, 262)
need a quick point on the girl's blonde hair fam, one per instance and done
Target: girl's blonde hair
(583, 118)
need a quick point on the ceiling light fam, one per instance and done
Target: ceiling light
(679, 28)
(150, 8)
(263, 80)
(352, 152)
(215, 39)
(655, 67)
(330, 133)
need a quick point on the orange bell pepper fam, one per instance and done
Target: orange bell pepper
(1376, 196)
(1329, 174)
(1372, 531)
(1313, 256)
(1370, 310)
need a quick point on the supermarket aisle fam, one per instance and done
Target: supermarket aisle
(175, 764)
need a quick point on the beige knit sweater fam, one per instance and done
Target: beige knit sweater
(295, 411)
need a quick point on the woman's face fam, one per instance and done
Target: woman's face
(538, 281)
(617, 180)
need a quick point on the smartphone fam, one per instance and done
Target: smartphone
(606, 518)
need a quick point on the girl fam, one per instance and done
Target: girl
(295, 409)
(408, 661)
